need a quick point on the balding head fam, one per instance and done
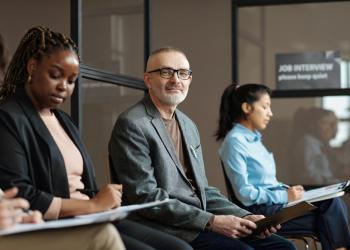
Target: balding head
(152, 59)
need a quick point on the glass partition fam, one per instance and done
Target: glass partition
(298, 46)
(309, 138)
(113, 38)
(102, 104)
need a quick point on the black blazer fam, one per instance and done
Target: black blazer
(29, 156)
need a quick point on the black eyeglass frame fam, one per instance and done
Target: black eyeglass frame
(174, 71)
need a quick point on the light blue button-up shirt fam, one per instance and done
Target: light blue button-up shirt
(251, 168)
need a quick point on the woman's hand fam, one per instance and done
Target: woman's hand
(295, 193)
(32, 217)
(11, 210)
(110, 196)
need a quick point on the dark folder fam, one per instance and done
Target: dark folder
(283, 215)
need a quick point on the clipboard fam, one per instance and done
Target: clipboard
(283, 215)
(322, 193)
(107, 216)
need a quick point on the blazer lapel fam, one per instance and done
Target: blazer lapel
(189, 147)
(56, 167)
(159, 126)
(88, 172)
(34, 118)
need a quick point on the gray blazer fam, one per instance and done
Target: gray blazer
(143, 159)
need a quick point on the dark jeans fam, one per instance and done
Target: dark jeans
(329, 222)
(139, 237)
(215, 241)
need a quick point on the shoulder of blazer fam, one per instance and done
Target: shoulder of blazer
(17, 109)
(142, 111)
(19, 103)
(150, 108)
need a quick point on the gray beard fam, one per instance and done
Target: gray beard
(172, 100)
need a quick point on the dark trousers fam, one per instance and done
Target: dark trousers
(215, 241)
(139, 237)
(329, 222)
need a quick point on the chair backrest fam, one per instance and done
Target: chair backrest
(112, 173)
(230, 193)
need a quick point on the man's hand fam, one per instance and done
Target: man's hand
(267, 232)
(232, 226)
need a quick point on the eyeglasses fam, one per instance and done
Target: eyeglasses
(168, 73)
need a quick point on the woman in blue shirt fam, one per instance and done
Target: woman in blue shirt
(251, 168)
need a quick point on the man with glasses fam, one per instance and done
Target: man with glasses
(156, 153)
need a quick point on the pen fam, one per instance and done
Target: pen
(280, 187)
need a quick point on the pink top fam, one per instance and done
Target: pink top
(73, 162)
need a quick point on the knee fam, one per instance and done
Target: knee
(289, 245)
(334, 204)
(111, 237)
(179, 244)
(109, 230)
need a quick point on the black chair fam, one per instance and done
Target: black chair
(113, 176)
(304, 237)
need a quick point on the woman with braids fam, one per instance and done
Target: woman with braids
(251, 169)
(98, 237)
(42, 153)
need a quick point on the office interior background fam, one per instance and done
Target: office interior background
(225, 41)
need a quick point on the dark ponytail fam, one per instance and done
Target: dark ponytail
(231, 105)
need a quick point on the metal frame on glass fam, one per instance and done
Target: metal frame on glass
(93, 73)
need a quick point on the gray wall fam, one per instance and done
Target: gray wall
(202, 29)
(17, 16)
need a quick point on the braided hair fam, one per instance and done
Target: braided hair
(36, 43)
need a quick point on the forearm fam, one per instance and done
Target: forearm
(108, 197)
(73, 207)
(218, 204)
(177, 213)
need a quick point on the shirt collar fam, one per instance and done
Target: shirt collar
(251, 136)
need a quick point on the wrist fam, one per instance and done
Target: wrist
(94, 206)
(209, 225)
